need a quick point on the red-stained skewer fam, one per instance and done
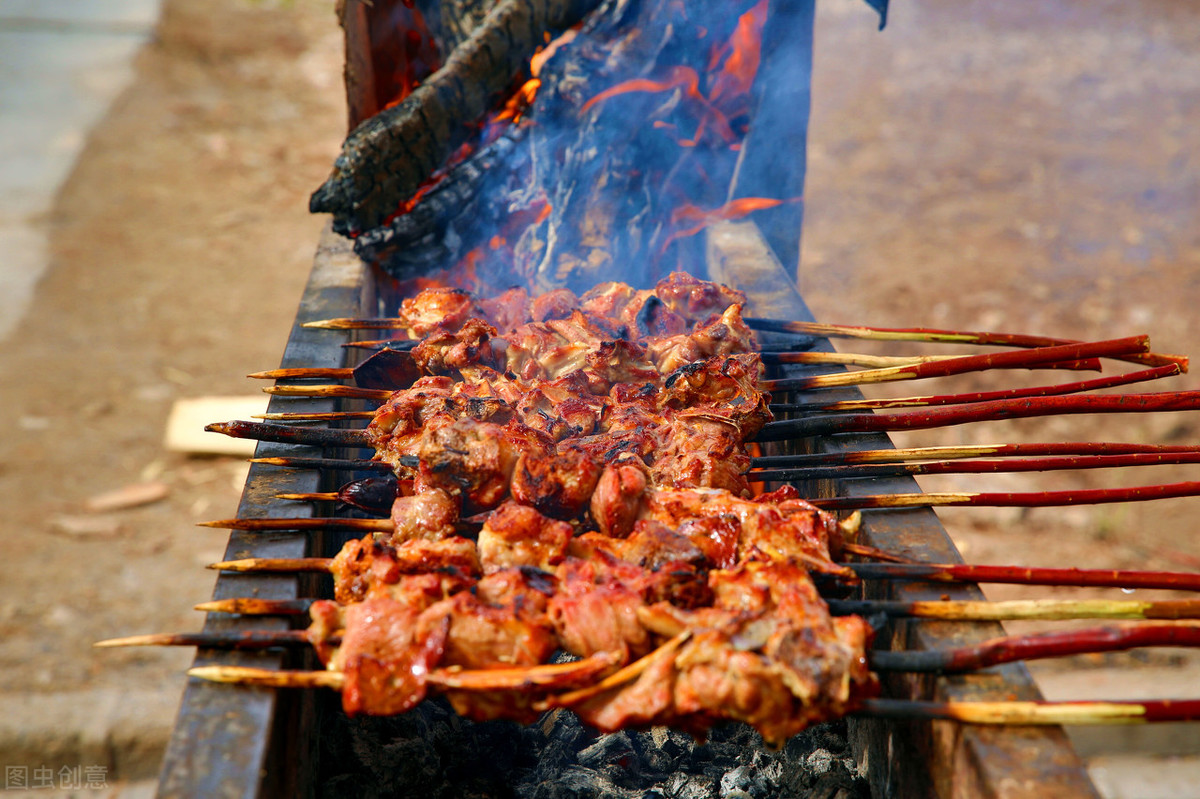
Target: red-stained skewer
(1012, 499)
(1098, 384)
(989, 466)
(1028, 575)
(1034, 358)
(980, 412)
(933, 335)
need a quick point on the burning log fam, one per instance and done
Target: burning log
(387, 158)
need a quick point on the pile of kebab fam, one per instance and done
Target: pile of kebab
(619, 525)
(580, 486)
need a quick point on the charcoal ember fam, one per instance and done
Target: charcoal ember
(432, 752)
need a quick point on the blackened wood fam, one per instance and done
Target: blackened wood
(912, 759)
(387, 157)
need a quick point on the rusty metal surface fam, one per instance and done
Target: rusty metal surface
(240, 741)
(917, 760)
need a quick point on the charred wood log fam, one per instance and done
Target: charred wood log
(428, 236)
(386, 158)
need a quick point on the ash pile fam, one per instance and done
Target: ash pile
(432, 752)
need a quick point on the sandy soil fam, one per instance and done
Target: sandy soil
(181, 244)
(969, 168)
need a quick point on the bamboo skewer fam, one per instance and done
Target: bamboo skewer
(997, 651)
(1097, 384)
(1013, 359)
(1010, 649)
(823, 406)
(337, 464)
(1009, 712)
(908, 454)
(1035, 713)
(265, 678)
(325, 416)
(335, 391)
(817, 460)
(275, 565)
(893, 568)
(287, 434)
(933, 335)
(1021, 609)
(980, 412)
(1014, 499)
(1027, 575)
(512, 678)
(314, 523)
(225, 639)
(852, 471)
(253, 606)
(1047, 357)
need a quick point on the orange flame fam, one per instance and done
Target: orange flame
(678, 77)
(700, 219)
(729, 91)
(744, 50)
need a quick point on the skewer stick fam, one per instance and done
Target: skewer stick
(314, 523)
(849, 472)
(452, 678)
(1010, 649)
(1021, 609)
(865, 404)
(305, 372)
(350, 323)
(849, 359)
(980, 396)
(286, 434)
(225, 639)
(275, 565)
(339, 464)
(1017, 713)
(248, 675)
(1027, 575)
(1035, 358)
(864, 551)
(327, 416)
(1015, 499)
(325, 391)
(964, 451)
(1039, 713)
(980, 412)
(932, 335)
(253, 606)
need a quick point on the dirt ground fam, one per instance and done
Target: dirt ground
(973, 166)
